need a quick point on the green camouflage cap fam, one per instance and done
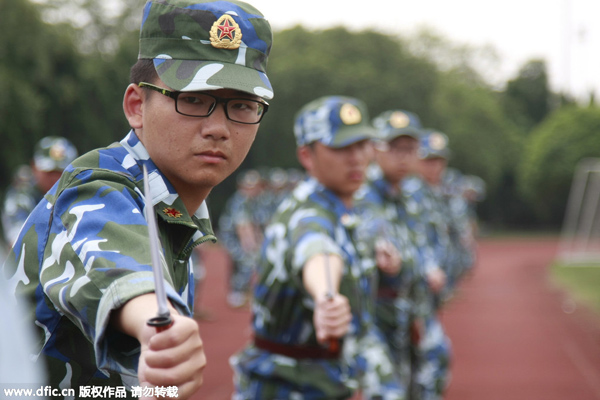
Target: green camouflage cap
(53, 153)
(207, 45)
(335, 121)
(395, 123)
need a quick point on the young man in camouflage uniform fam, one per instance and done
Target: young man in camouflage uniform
(194, 104)
(314, 336)
(453, 183)
(241, 232)
(432, 360)
(391, 216)
(51, 156)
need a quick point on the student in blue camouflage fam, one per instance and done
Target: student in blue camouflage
(391, 216)
(314, 336)
(242, 224)
(433, 352)
(194, 104)
(474, 192)
(241, 232)
(453, 183)
(448, 209)
(51, 156)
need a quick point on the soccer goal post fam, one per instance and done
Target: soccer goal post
(580, 236)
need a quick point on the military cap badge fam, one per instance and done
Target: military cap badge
(57, 152)
(350, 114)
(437, 141)
(225, 33)
(399, 120)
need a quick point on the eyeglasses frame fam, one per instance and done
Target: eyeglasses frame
(223, 100)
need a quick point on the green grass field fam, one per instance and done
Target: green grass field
(581, 281)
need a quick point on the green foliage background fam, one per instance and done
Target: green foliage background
(65, 74)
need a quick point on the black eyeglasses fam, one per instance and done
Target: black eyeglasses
(201, 104)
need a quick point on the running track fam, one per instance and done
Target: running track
(511, 338)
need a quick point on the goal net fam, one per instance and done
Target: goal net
(580, 236)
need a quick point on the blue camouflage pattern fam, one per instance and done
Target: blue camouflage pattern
(387, 214)
(84, 252)
(431, 355)
(311, 221)
(19, 202)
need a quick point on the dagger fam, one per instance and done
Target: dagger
(163, 320)
(333, 343)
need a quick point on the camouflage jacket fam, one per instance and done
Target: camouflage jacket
(84, 252)
(385, 214)
(18, 204)
(428, 205)
(311, 221)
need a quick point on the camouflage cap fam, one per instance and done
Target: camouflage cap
(207, 45)
(53, 153)
(278, 178)
(249, 179)
(335, 121)
(395, 123)
(434, 144)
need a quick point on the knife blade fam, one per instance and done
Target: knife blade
(163, 320)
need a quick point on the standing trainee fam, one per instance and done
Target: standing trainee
(194, 104)
(51, 156)
(312, 311)
(391, 216)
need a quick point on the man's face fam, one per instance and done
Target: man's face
(195, 154)
(432, 169)
(397, 158)
(45, 179)
(340, 170)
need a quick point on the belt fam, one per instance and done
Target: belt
(387, 293)
(295, 351)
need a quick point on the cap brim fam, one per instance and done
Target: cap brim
(46, 164)
(445, 154)
(348, 135)
(194, 75)
(408, 131)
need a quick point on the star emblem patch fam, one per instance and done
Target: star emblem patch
(399, 120)
(350, 114)
(437, 141)
(171, 212)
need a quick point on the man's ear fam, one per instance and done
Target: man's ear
(304, 154)
(132, 105)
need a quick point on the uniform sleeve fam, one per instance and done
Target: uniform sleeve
(16, 208)
(97, 258)
(311, 233)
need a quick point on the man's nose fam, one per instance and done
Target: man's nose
(216, 124)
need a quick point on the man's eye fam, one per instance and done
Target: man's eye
(243, 105)
(191, 99)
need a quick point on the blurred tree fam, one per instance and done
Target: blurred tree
(528, 98)
(482, 139)
(468, 109)
(69, 68)
(476, 65)
(100, 23)
(552, 153)
(305, 65)
(50, 88)
(38, 83)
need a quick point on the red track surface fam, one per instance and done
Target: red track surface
(511, 338)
